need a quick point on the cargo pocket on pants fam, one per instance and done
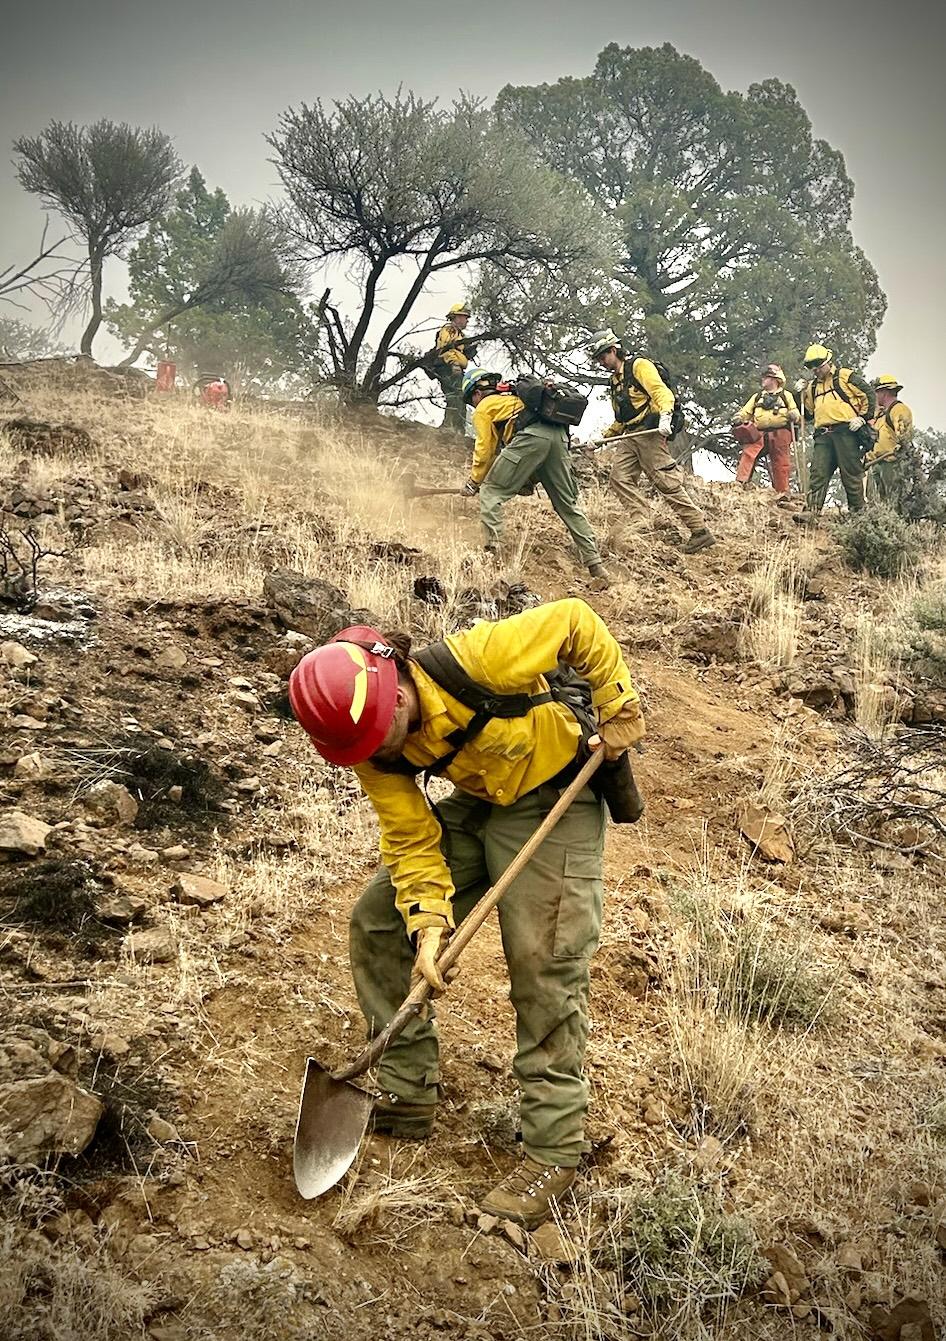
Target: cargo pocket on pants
(578, 923)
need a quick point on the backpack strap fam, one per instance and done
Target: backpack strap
(630, 380)
(444, 669)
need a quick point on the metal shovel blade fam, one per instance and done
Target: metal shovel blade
(333, 1115)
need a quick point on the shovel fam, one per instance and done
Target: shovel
(414, 490)
(333, 1113)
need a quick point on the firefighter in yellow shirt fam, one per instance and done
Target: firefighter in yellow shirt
(891, 461)
(840, 403)
(367, 701)
(453, 353)
(528, 451)
(643, 405)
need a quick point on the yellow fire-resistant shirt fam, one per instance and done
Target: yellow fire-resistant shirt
(493, 426)
(456, 356)
(509, 757)
(656, 398)
(828, 408)
(784, 413)
(889, 439)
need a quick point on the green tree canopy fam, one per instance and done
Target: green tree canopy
(401, 190)
(108, 182)
(734, 221)
(209, 288)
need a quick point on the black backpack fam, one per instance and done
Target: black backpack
(626, 410)
(549, 403)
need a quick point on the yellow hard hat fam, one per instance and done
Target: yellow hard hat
(459, 310)
(887, 383)
(816, 354)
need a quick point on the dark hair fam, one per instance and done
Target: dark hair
(400, 640)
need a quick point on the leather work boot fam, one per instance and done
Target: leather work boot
(599, 575)
(392, 1116)
(701, 539)
(526, 1195)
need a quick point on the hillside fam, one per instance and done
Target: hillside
(769, 1037)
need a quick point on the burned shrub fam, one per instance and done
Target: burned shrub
(56, 894)
(153, 774)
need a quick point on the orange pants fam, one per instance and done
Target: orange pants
(777, 443)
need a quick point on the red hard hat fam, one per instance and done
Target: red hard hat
(344, 695)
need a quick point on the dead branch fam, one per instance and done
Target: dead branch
(888, 795)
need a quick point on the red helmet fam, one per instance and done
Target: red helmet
(344, 695)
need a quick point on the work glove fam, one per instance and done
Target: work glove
(470, 489)
(740, 419)
(794, 416)
(620, 732)
(856, 423)
(430, 946)
(663, 425)
(801, 384)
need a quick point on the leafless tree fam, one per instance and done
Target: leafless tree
(51, 276)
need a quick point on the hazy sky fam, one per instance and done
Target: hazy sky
(215, 74)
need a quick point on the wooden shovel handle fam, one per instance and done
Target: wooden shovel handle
(471, 924)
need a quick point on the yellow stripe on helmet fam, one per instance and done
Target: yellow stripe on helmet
(359, 693)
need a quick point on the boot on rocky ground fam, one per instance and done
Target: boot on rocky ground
(393, 1116)
(701, 539)
(600, 577)
(528, 1193)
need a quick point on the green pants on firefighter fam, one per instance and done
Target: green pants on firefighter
(538, 452)
(451, 384)
(550, 921)
(890, 481)
(838, 451)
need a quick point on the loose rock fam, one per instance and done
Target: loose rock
(112, 802)
(31, 767)
(48, 1115)
(22, 834)
(768, 833)
(307, 604)
(198, 891)
(17, 656)
(154, 945)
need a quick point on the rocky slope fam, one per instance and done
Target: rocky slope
(767, 1055)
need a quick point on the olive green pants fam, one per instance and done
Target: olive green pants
(550, 921)
(649, 456)
(451, 384)
(539, 452)
(889, 482)
(838, 451)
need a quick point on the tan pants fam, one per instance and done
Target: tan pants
(649, 454)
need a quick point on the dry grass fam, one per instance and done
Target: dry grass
(66, 1291)
(383, 1208)
(665, 1260)
(734, 978)
(770, 634)
(876, 670)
